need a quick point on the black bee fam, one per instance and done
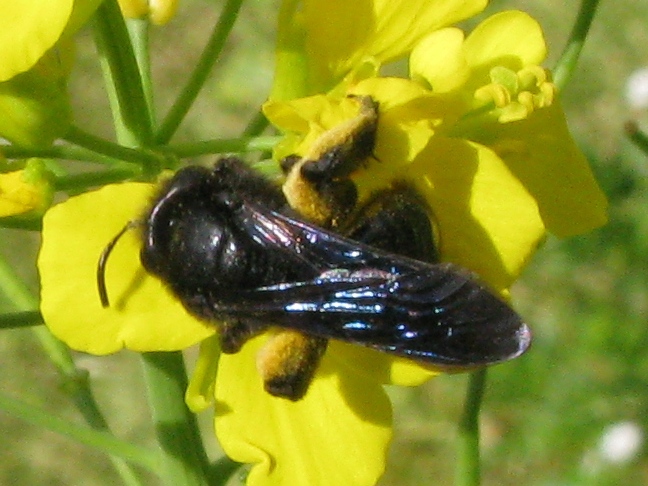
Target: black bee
(237, 255)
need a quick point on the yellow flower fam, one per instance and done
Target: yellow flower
(25, 191)
(320, 41)
(30, 28)
(36, 53)
(511, 107)
(337, 434)
(497, 172)
(472, 154)
(478, 131)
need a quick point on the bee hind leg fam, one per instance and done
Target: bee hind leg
(288, 361)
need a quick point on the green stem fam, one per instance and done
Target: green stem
(146, 158)
(90, 148)
(468, 465)
(98, 439)
(138, 30)
(184, 459)
(75, 381)
(22, 222)
(68, 152)
(76, 183)
(122, 76)
(14, 320)
(200, 73)
(14, 289)
(256, 125)
(569, 57)
(237, 145)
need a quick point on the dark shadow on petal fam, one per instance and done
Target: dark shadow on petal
(135, 283)
(365, 396)
(444, 174)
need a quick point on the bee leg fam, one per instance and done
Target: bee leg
(319, 199)
(288, 361)
(397, 220)
(340, 197)
(234, 334)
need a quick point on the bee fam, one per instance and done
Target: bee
(237, 255)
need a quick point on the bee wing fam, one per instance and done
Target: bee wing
(321, 249)
(438, 314)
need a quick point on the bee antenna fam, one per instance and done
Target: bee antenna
(103, 259)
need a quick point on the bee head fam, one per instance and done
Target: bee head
(185, 231)
(181, 234)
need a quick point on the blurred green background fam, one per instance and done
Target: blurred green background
(561, 415)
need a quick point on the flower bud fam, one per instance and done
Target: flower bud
(159, 12)
(34, 105)
(27, 190)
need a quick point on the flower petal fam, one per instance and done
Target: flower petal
(379, 367)
(439, 59)
(28, 29)
(143, 315)
(541, 153)
(354, 31)
(513, 39)
(337, 434)
(408, 115)
(487, 220)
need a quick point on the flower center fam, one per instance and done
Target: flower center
(516, 95)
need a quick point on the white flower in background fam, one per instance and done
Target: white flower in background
(621, 442)
(636, 90)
